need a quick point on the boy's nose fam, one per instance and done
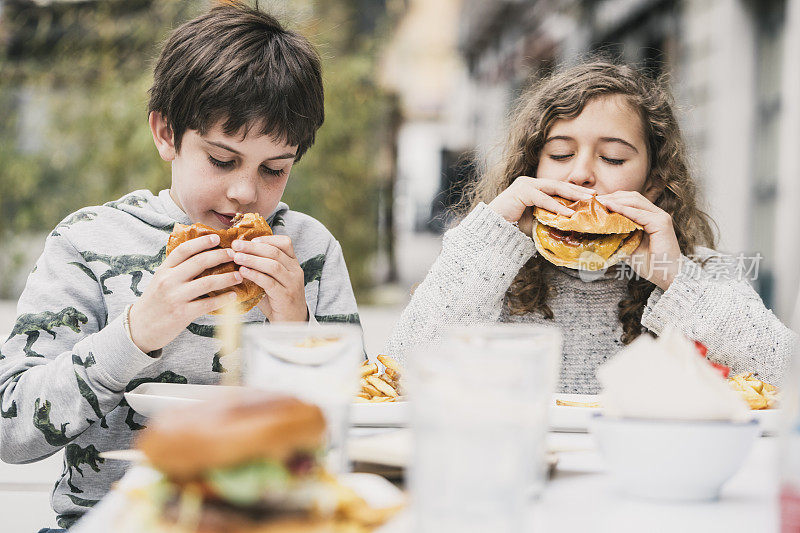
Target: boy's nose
(242, 191)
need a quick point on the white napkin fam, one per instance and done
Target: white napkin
(666, 378)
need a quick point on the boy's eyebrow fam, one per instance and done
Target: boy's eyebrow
(287, 155)
(603, 139)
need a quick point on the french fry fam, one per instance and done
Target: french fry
(372, 391)
(569, 403)
(757, 394)
(366, 370)
(353, 514)
(386, 379)
(388, 362)
(382, 386)
(380, 399)
(377, 387)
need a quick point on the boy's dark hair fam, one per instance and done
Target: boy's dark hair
(239, 65)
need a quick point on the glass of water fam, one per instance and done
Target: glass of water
(479, 400)
(315, 363)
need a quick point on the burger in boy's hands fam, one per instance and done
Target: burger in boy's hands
(197, 277)
(245, 227)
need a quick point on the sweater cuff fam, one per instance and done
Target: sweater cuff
(678, 300)
(119, 360)
(489, 229)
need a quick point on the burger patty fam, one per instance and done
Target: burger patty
(576, 238)
(571, 244)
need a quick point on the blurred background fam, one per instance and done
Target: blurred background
(418, 94)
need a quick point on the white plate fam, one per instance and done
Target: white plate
(769, 420)
(385, 414)
(150, 398)
(390, 448)
(375, 490)
(576, 419)
(568, 418)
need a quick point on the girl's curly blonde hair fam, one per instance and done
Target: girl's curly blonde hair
(563, 95)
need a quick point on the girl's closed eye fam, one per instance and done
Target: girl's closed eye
(612, 161)
(560, 157)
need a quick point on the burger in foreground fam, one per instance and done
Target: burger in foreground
(593, 238)
(246, 466)
(245, 227)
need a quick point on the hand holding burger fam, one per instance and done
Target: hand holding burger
(658, 257)
(197, 277)
(270, 263)
(515, 203)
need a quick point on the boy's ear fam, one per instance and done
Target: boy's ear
(162, 136)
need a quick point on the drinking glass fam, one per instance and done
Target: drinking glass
(479, 399)
(314, 363)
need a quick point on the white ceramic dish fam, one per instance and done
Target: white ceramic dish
(674, 460)
(384, 414)
(148, 399)
(377, 492)
(572, 419)
(578, 419)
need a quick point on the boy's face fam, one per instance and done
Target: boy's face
(215, 176)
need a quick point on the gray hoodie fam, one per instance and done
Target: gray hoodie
(68, 361)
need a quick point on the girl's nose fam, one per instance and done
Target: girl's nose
(582, 172)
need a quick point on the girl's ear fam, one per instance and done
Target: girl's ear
(162, 136)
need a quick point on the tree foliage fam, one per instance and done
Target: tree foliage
(73, 122)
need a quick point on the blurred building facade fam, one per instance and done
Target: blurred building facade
(734, 75)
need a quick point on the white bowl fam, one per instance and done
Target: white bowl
(677, 460)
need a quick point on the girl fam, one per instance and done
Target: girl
(607, 130)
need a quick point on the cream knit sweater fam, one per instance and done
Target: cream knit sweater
(481, 256)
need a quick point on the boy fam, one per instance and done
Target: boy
(236, 100)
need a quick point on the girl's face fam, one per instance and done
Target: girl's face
(216, 175)
(603, 148)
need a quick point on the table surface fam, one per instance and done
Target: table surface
(581, 497)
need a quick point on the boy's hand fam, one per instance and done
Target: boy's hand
(171, 302)
(270, 263)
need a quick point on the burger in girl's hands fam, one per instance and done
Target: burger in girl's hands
(593, 238)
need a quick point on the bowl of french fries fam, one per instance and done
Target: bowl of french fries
(380, 400)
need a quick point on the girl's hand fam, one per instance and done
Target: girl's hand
(525, 192)
(657, 258)
(171, 302)
(270, 263)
